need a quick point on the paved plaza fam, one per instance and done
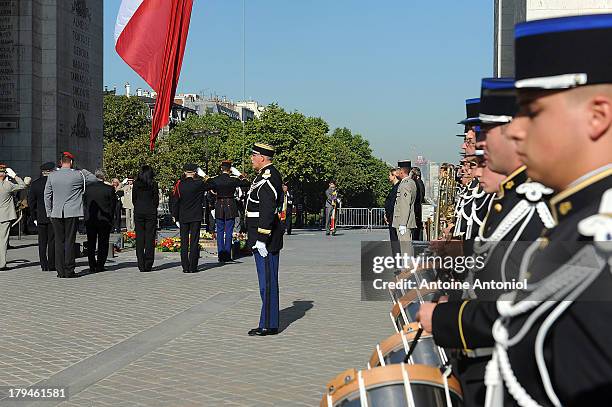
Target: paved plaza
(124, 338)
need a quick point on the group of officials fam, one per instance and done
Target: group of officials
(64, 194)
(536, 203)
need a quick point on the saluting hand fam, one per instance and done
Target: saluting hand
(11, 173)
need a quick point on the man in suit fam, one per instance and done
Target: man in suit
(226, 210)
(390, 208)
(100, 201)
(46, 237)
(287, 209)
(265, 234)
(7, 208)
(187, 212)
(64, 205)
(403, 215)
(417, 233)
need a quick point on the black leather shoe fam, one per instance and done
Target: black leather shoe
(262, 332)
(186, 271)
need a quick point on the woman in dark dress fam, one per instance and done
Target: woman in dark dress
(145, 196)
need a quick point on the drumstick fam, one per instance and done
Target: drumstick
(413, 344)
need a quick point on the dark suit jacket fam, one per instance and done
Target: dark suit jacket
(36, 200)
(99, 201)
(418, 202)
(146, 200)
(188, 200)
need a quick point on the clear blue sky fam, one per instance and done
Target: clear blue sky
(396, 72)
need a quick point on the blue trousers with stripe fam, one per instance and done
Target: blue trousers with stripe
(225, 231)
(267, 273)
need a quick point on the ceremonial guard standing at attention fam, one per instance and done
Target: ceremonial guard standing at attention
(187, 211)
(474, 201)
(265, 234)
(36, 202)
(226, 209)
(518, 214)
(287, 209)
(7, 208)
(551, 337)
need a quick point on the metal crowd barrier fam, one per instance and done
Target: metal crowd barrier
(368, 218)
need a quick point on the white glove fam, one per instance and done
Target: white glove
(402, 230)
(235, 171)
(124, 181)
(261, 247)
(10, 172)
(201, 173)
(178, 225)
(36, 223)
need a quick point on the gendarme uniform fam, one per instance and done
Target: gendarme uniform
(474, 201)
(264, 201)
(552, 339)
(518, 214)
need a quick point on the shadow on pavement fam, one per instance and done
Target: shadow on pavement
(291, 314)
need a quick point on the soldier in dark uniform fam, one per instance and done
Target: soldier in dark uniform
(226, 210)
(287, 209)
(188, 211)
(36, 202)
(551, 338)
(515, 216)
(265, 234)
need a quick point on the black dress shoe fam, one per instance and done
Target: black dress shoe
(186, 271)
(263, 331)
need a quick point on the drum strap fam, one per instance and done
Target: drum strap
(363, 397)
(381, 358)
(445, 375)
(407, 388)
(393, 321)
(405, 341)
(403, 312)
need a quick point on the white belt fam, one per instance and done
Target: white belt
(252, 214)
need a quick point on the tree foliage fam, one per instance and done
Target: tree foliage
(307, 154)
(124, 117)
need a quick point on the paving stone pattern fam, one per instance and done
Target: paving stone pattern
(124, 338)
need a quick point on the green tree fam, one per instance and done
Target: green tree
(124, 118)
(307, 154)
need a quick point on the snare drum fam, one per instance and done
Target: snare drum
(405, 309)
(427, 273)
(393, 386)
(393, 350)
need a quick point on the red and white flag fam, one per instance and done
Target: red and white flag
(150, 36)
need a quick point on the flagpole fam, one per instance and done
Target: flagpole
(243, 80)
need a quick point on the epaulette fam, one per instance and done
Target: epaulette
(266, 174)
(599, 226)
